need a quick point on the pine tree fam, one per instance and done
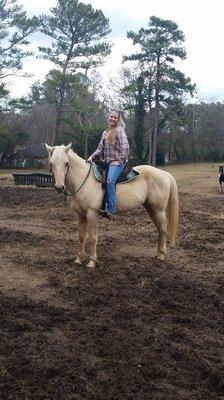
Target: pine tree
(77, 32)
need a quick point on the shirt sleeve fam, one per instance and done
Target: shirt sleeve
(124, 145)
(99, 150)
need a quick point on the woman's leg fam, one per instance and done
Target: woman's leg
(112, 176)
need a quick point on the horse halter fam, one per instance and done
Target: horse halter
(65, 191)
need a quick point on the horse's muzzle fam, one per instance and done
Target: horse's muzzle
(62, 189)
(59, 188)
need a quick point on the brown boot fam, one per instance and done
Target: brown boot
(105, 214)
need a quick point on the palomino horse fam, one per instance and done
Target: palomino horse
(153, 188)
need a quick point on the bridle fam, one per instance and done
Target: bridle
(66, 192)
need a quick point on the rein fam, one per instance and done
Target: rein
(84, 179)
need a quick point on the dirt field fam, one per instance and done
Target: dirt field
(134, 328)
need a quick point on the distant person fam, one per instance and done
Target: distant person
(113, 149)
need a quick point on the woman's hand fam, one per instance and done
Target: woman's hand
(90, 159)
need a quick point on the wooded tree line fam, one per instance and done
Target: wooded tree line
(72, 103)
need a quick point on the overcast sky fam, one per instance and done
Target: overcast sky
(200, 21)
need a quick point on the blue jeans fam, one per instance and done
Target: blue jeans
(112, 176)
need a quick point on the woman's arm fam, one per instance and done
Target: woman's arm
(124, 145)
(99, 150)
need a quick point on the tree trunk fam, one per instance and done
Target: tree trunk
(55, 134)
(150, 135)
(170, 144)
(150, 131)
(156, 119)
(155, 135)
(8, 155)
(86, 145)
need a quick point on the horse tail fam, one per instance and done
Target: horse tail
(172, 211)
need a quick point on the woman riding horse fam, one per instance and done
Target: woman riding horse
(113, 149)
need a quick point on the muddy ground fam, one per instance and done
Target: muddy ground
(134, 328)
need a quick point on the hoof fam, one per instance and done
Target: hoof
(78, 261)
(160, 257)
(91, 264)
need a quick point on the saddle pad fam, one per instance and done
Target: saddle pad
(126, 175)
(96, 172)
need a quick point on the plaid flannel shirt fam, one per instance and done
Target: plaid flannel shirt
(112, 152)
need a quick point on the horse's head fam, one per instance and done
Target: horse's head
(221, 169)
(59, 165)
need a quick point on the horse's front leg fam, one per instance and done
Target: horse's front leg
(92, 230)
(82, 224)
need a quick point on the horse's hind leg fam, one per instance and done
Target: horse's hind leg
(82, 223)
(159, 219)
(92, 229)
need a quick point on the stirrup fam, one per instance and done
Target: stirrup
(105, 214)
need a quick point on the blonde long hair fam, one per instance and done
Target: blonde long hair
(112, 133)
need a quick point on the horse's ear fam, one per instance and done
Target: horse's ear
(67, 148)
(49, 148)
